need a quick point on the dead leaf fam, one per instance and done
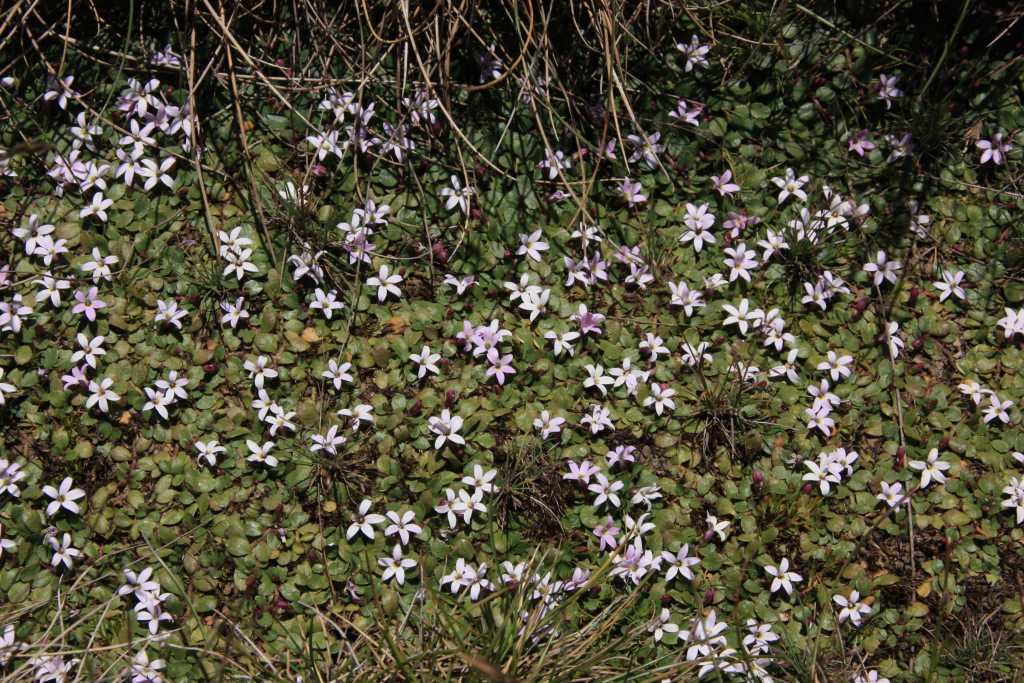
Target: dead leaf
(310, 335)
(397, 325)
(925, 589)
(126, 417)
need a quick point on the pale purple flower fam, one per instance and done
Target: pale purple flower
(723, 184)
(994, 149)
(88, 303)
(500, 365)
(588, 320)
(631, 192)
(900, 147)
(887, 89)
(859, 142)
(685, 114)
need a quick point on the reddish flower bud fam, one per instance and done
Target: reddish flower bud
(709, 534)
(807, 489)
(319, 171)
(860, 305)
(758, 479)
(709, 595)
(943, 441)
(449, 398)
(476, 213)
(416, 407)
(209, 367)
(918, 343)
(718, 342)
(507, 253)
(912, 298)
(281, 604)
(880, 339)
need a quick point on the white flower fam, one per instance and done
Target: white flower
(403, 525)
(661, 625)
(99, 266)
(716, 527)
(600, 418)
(853, 608)
(362, 522)
(891, 494)
(425, 361)
(101, 393)
(168, 312)
(782, 577)
(561, 340)
(605, 490)
(98, 207)
(597, 378)
(385, 283)
(791, 185)
(548, 425)
(233, 313)
(743, 316)
(836, 365)
(825, 473)
(446, 427)
(261, 453)
(679, 563)
(950, 285)
(973, 390)
(156, 174)
(259, 371)
(395, 565)
(788, 368)
(209, 451)
(661, 398)
(457, 196)
(818, 418)
(535, 303)
(997, 408)
(932, 468)
(65, 497)
(480, 479)
(776, 241)
(895, 343)
(531, 245)
(883, 269)
(337, 373)
(682, 296)
(327, 302)
(63, 552)
(694, 53)
(158, 400)
(653, 345)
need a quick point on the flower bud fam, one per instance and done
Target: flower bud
(709, 595)
(880, 339)
(209, 367)
(807, 489)
(281, 604)
(718, 342)
(860, 305)
(508, 253)
(477, 214)
(319, 171)
(416, 407)
(758, 480)
(943, 441)
(449, 398)
(709, 534)
(918, 343)
(912, 298)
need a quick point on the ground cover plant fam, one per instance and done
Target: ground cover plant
(511, 342)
